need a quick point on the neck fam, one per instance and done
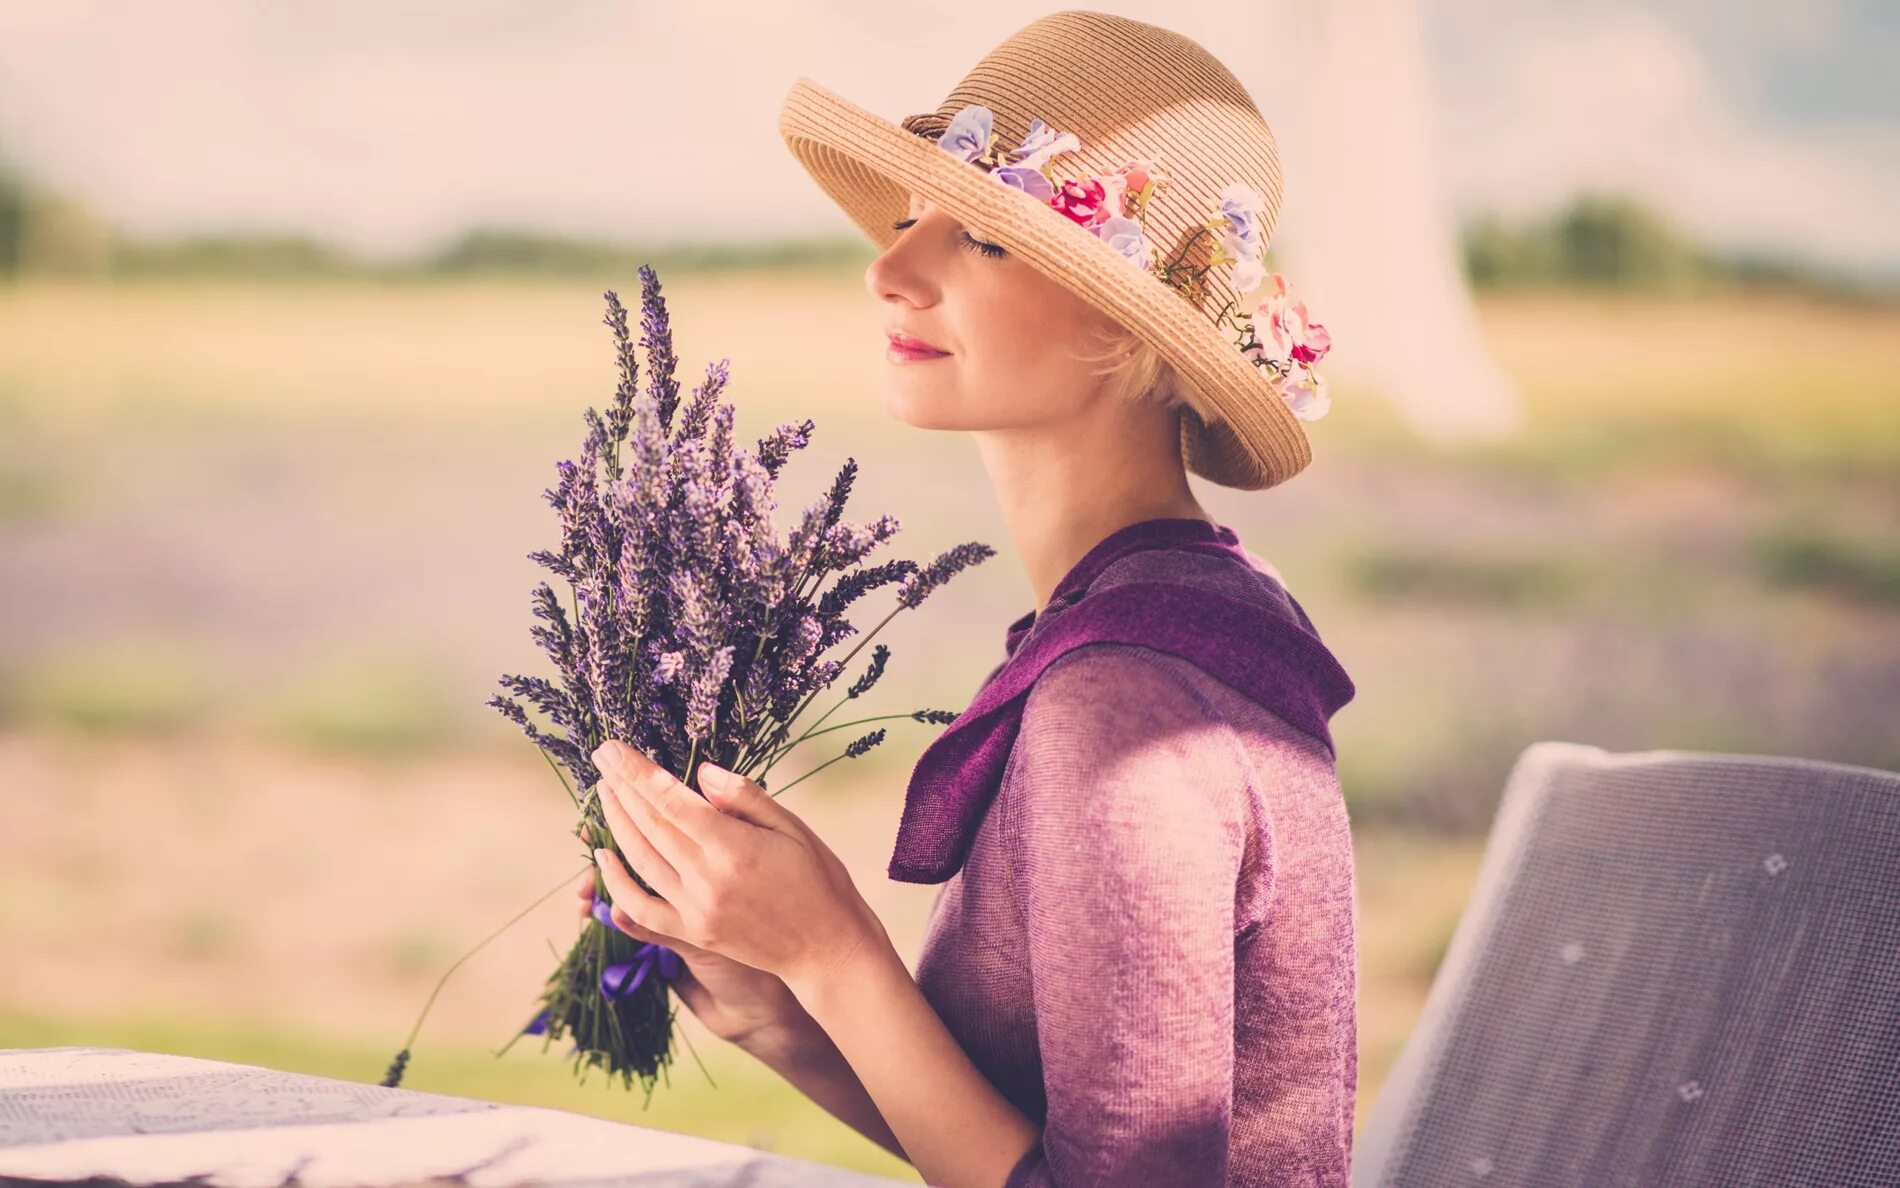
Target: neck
(1064, 486)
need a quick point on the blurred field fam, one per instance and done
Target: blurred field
(264, 556)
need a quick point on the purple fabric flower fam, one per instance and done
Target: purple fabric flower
(1029, 181)
(1245, 211)
(968, 133)
(1124, 235)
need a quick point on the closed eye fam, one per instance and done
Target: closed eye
(964, 239)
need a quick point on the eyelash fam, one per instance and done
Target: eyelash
(963, 238)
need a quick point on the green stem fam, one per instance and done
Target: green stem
(775, 756)
(753, 752)
(814, 771)
(560, 777)
(681, 1031)
(588, 721)
(1182, 254)
(518, 917)
(809, 730)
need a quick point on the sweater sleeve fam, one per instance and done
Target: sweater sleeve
(1125, 814)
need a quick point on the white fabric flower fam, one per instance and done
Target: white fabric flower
(1305, 393)
(1043, 142)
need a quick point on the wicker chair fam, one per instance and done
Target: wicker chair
(1676, 968)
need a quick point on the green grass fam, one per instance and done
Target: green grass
(361, 697)
(1812, 556)
(366, 698)
(30, 495)
(159, 684)
(1775, 389)
(1412, 574)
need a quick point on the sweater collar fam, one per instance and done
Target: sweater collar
(1161, 532)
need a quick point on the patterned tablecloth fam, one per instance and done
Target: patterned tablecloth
(115, 1114)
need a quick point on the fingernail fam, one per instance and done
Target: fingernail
(600, 857)
(719, 774)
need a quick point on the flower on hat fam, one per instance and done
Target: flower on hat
(1124, 235)
(1084, 201)
(1030, 181)
(1277, 335)
(969, 132)
(1114, 196)
(1239, 220)
(1041, 143)
(1292, 343)
(1294, 333)
(1139, 173)
(1305, 394)
(1244, 209)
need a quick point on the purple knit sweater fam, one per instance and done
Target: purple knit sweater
(1150, 946)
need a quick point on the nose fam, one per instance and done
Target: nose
(906, 270)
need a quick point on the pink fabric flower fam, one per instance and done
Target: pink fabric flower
(1081, 201)
(1316, 342)
(1114, 191)
(1289, 329)
(1138, 173)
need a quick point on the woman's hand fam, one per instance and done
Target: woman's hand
(737, 1003)
(738, 874)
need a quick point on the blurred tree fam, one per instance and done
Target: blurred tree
(248, 254)
(1608, 240)
(12, 210)
(519, 250)
(60, 236)
(1599, 240)
(47, 233)
(1496, 254)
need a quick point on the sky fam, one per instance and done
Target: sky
(392, 125)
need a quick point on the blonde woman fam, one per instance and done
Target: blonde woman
(1140, 969)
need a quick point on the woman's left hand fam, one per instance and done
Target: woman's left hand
(741, 875)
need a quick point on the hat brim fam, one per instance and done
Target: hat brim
(869, 166)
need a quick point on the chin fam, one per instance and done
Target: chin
(918, 406)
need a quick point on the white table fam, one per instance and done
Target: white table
(78, 1113)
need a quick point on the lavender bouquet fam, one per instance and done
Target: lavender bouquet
(693, 632)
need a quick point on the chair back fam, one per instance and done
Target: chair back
(1676, 968)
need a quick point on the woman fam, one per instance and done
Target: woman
(1141, 967)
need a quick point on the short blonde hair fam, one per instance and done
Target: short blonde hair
(1133, 370)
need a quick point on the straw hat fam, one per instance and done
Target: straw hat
(1129, 92)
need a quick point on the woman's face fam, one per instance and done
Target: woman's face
(1010, 334)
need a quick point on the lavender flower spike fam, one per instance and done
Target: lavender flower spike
(918, 586)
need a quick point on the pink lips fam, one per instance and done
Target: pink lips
(903, 348)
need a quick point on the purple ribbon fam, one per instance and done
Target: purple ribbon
(623, 977)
